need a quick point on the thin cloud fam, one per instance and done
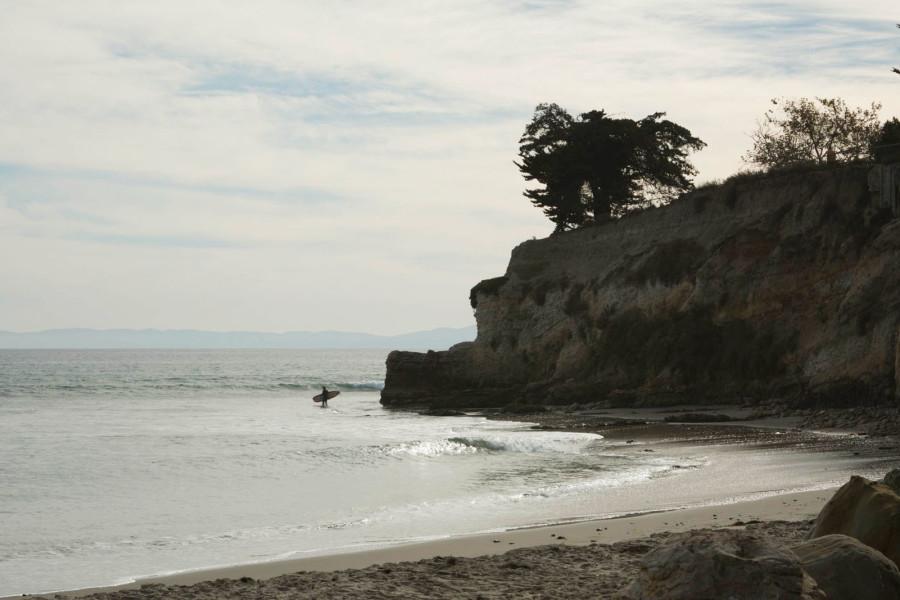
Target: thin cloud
(248, 153)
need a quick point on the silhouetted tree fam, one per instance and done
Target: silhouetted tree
(593, 168)
(545, 154)
(804, 131)
(890, 132)
(888, 139)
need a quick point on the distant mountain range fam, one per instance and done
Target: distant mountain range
(435, 339)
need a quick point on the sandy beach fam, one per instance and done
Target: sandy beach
(572, 560)
(579, 559)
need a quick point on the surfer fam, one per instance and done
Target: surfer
(324, 396)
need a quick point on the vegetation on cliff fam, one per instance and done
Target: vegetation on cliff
(593, 167)
(778, 283)
(819, 131)
(889, 135)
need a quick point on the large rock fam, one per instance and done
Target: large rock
(846, 569)
(866, 510)
(892, 480)
(444, 380)
(723, 564)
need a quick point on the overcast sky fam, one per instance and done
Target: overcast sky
(340, 165)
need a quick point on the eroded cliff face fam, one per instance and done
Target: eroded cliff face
(786, 286)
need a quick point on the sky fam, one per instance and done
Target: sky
(304, 165)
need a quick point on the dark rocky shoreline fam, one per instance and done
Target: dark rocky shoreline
(878, 421)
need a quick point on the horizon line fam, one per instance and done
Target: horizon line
(229, 331)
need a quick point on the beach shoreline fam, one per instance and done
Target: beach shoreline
(773, 505)
(792, 507)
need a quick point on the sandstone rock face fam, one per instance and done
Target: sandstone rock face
(846, 569)
(442, 379)
(892, 480)
(721, 564)
(787, 285)
(866, 510)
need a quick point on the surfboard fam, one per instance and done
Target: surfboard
(331, 394)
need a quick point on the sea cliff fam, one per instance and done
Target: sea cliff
(784, 286)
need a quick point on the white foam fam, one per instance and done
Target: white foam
(526, 442)
(531, 442)
(430, 448)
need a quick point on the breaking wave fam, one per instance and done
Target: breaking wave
(520, 442)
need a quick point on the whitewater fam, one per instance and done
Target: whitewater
(116, 465)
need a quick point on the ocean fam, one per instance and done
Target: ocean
(121, 464)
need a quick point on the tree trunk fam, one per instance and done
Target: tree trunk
(600, 204)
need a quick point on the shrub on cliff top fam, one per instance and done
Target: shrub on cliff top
(889, 135)
(819, 131)
(594, 167)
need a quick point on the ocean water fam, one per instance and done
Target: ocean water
(119, 464)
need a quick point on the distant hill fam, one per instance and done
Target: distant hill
(187, 338)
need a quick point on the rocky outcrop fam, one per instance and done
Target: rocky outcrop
(721, 564)
(846, 569)
(786, 286)
(742, 565)
(866, 510)
(892, 480)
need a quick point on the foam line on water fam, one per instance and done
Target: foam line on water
(525, 442)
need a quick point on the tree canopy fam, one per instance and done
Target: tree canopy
(888, 139)
(593, 167)
(819, 131)
(890, 133)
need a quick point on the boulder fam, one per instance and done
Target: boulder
(892, 480)
(866, 510)
(718, 564)
(846, 569)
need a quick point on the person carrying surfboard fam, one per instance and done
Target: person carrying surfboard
(325, 396)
